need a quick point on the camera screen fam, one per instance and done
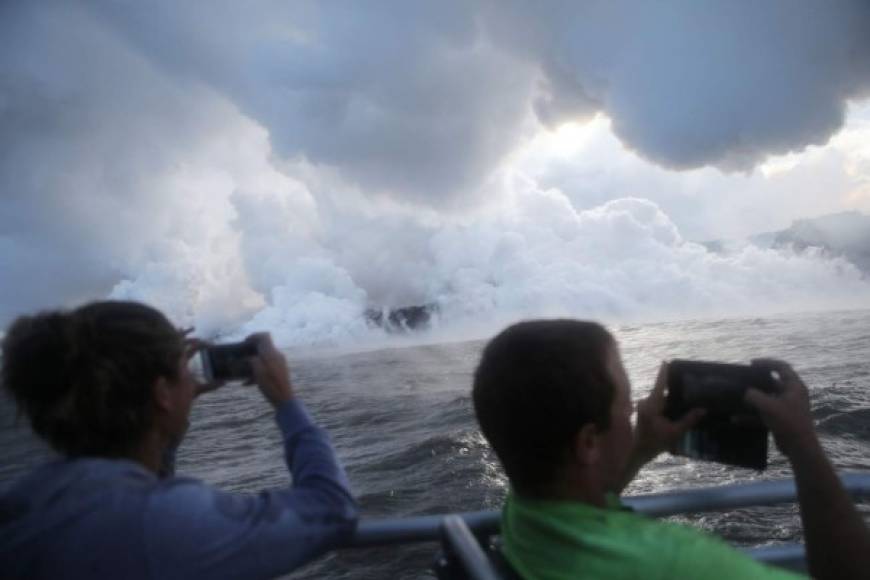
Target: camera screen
(722, 394)
(229, 362)
(731, 432)
(717, 387)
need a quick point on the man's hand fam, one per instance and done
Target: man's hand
(270, 370)
(192, 347)
(656, 433)
(787, 413)
(837, 539)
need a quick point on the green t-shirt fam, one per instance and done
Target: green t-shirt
(550, 540)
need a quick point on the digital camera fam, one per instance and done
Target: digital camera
(731, 431)
(228, 362)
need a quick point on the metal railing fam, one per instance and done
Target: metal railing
(464, 547)
(380, 532)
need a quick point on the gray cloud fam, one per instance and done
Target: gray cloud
(689, 84)
(404, 98)
(422, 100)
(218, 158)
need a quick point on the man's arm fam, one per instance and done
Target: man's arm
(317, 475)
(837, 539)
(195, 531)
(654, 432)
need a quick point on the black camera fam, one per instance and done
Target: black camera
(730, 432)
(229, 362)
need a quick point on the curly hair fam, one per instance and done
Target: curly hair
(84, 378)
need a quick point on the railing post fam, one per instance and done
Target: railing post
(460, 543)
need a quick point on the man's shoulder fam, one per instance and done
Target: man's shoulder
(660, 537)
(77, 477)
(657, 536)
(574, 539)
(685, 551)
(568, 536)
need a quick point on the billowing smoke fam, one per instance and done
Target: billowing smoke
(537, 256)
(288, 165)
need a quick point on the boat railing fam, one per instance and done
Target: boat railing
(462, 534)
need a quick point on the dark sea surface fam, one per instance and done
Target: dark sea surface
(403, 425)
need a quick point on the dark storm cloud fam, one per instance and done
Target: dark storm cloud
(422, 99)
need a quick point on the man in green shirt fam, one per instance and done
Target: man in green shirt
(553, 399)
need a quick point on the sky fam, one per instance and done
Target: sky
(286, 165)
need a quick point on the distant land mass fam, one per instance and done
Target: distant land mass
(845, 234)
(402, 319)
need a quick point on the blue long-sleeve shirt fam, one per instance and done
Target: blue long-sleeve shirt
(104, 518)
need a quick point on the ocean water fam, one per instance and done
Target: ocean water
(403, 424)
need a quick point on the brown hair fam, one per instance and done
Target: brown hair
(84, 378)
(537, 384)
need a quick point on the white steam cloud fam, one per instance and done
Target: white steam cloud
(287, 165)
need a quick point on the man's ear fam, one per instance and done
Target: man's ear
(163, 398)
(587, 445)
